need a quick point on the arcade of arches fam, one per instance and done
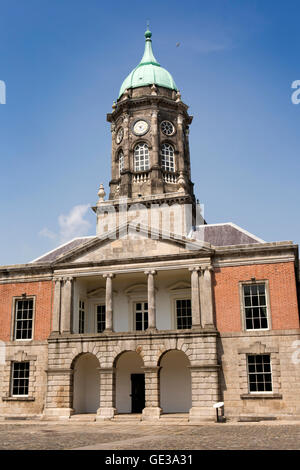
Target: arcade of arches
(129, 384)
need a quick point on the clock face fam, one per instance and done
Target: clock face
(140, 127)
(120, 135)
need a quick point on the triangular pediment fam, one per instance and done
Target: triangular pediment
(129, 244)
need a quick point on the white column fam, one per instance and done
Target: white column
(206, 296)
(195, 294)
(108, 302)
(56, 305)
(66, 305)
(151, 300)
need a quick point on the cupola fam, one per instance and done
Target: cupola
(148, 72)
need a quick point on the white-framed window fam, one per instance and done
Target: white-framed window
(81, 325)
(141, 157)
(167, 157)
(183, 311)
(23, 318)
(20, 378)
(121, 161)
(141, 316)
(255, 306)
(100, 318)
(259, 373)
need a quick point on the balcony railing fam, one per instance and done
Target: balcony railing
(141, 177)
(170, 177)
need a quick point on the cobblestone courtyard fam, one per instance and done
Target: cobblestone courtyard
(52, 436)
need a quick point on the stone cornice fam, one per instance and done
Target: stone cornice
(259, 335)
(123, 336)
(256, 247)
(149, 101)
(258, 253)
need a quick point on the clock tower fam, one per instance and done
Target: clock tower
(150, 141)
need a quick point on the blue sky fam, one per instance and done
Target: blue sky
(63, 62)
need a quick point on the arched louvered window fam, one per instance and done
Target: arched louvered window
(167, 157)
(121, 161)
(141, 157)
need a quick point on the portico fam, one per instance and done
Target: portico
(77, 296)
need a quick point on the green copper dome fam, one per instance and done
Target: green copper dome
(148, 72)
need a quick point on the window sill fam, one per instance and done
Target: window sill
(18, 398)
(256, 329)
(261, 396)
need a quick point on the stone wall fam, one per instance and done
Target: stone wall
(199, 347)
(283, 348)
(37, 354)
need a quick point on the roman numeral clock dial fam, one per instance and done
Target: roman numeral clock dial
(140, 127)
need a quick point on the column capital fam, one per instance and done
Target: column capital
(108, 275)
(195, 268)
(150, 271)
(209, 268)
(67, 278)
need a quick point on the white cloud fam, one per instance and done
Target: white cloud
(45, 232)
(71, 225)
(74, 224)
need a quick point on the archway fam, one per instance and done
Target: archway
(86, 384)
(130, 383)
(175, 383)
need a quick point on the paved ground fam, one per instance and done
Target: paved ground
(139, 436)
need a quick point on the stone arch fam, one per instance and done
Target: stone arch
(141, 140)
(126, 346)
(117, 153)
(130, 381)
(173, 344)
(175, 381)
(85, 347)
(168, 141)
(85, 383)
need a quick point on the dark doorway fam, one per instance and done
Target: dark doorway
(137, 393)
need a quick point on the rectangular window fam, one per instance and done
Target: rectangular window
(20, 378)
(183, 314)
(100, 318)
(141, 316)
(81, 316)
(23, 319)
(259, 373)
(255, 306)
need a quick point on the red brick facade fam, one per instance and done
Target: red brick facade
(42, 291)
(283, 294)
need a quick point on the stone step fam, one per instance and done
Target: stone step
(127, 417)
(174, 418)
(83, 417)
(174, 415)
